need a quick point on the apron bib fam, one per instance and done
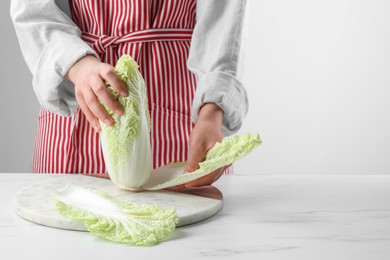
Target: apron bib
(157, 34)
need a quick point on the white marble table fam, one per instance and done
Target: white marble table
(264, 217)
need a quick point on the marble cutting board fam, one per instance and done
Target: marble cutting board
(35, 204)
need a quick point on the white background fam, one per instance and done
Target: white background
(317, 76)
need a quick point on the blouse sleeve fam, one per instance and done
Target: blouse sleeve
(50, 43)
(216, 60)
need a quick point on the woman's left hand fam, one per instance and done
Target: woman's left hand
(207, 131)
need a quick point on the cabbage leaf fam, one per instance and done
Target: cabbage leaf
(120, 221)
(229, 150)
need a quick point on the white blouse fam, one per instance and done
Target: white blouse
(50, 42)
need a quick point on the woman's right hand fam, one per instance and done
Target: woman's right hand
(88, 76)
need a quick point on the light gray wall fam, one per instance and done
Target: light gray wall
(18, 105)
(317, 75)
(319, 83)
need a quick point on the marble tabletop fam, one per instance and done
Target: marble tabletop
(263, 217)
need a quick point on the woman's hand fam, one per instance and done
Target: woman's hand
(89, 75)
(205, 134)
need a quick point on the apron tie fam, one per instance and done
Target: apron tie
(106, 45)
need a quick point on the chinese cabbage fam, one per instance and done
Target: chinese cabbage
(126, 144)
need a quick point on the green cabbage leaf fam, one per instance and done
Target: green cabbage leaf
(229, 150)
(120, 221)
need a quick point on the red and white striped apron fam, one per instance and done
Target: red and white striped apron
(157, 34)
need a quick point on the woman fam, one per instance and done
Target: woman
(188, 51)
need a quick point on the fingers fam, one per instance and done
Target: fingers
(104, 95)
(206, 180)
(96, 108)
(203, 181)
(92, 91)
(89, 75)
(195, 157)
(108, 73)
(92, 119)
